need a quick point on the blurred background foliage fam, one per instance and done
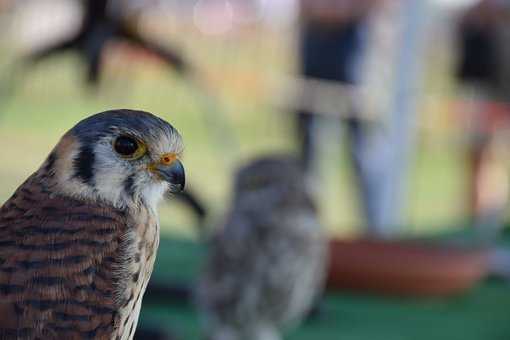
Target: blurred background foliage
(246, 71)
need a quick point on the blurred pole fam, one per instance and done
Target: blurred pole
(385, 153)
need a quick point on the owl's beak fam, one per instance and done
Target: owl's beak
(173, 173)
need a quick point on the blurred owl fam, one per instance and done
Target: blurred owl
(267, 265)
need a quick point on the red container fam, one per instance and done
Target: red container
(404, 268)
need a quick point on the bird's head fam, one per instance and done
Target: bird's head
(272, 182)
(122, 157)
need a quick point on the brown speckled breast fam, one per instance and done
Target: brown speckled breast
(69, 269)
(141, 253)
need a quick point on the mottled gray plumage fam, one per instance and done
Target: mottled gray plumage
(266, 267)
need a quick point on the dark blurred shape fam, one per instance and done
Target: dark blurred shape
(478, 55)
(480, 51)
(170, 292)
(484, 72)
(145, 332)
(101, 25)
(197, 206)
(330, 41)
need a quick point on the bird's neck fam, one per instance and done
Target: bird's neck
(138, 257)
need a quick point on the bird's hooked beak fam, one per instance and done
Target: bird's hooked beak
(170, 169)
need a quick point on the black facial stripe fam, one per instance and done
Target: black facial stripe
(129, 186)
(84, 164)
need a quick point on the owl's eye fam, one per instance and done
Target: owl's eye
(129, 147)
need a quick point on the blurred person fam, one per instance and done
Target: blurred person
(376, 44)
(484, 73)
(330, 43)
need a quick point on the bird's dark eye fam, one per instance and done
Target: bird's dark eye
(128, 147)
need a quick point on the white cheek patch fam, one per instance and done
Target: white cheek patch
(109, 175)
(152, 193)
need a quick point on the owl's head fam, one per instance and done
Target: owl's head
(122, 157)
(275, 181)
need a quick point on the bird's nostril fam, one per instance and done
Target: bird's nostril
(168, 159)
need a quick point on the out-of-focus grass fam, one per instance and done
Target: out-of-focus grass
(240, 71)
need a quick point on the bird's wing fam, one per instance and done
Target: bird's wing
(302, 255)
(230, 288)
(56, 266)
(225, 260)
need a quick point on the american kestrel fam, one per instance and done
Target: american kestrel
(78, 238)
(267, 265)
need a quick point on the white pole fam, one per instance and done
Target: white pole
(385, 154)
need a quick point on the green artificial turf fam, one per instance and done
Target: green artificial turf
(481, 314)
